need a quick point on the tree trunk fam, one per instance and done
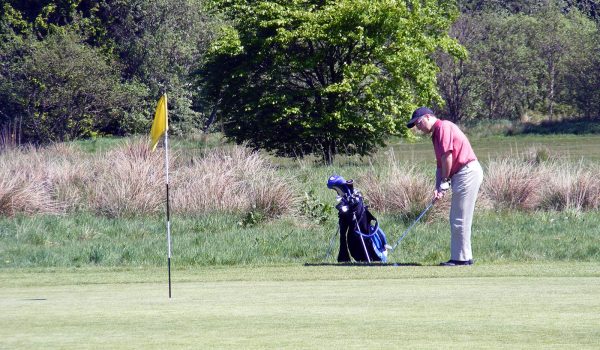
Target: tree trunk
(329, 153)
(551, 94)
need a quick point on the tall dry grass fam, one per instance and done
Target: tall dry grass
(129, 181)
(67, 175)
(400, 188)
(571, 187)
(547, 185)
(234, 179)
(27, 183)
(518, 183)
(513, 184)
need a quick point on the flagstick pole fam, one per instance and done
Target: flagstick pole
(168, 208)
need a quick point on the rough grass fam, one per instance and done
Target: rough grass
(128, 180)
(234, 180)
(232, 206)
(220, 239)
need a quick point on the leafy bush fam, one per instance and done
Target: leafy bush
(57, 99)
(315, 210)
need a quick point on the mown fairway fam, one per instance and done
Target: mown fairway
(549, 306)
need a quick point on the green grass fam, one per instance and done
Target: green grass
(543, 306)
(87, 282)
(565, 147)
(217, 239)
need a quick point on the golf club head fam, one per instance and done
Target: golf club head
(337, 183)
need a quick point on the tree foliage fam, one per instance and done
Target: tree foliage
(79, 68)
(324, 77)
(520, 64)
(160, 43)
(294, 77)
(61, 100)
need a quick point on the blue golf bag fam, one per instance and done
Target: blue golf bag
(360, 235)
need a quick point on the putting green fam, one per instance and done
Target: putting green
(292, 307)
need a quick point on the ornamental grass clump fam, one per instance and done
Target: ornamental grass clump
(513, 184)
(68, 175)
(399, 188)
(568, 187)
(25, 185)
(232, 180)
(128, 181)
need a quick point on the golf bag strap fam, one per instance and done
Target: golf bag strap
(373, 228)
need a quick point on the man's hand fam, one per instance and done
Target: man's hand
(441, 191)
(437, 194)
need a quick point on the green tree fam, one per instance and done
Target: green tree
(12, 48)
(68, 90)
(456, 83)
(159, 43)
(498, 80)
(56, 86)
(545, 62)
(503, 66)
(578, 70)
(564, 45)
(324, 77)
(526, 7)
(590, 8)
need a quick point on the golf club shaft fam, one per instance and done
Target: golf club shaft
(413, 224)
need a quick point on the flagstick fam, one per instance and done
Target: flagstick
(168, 210)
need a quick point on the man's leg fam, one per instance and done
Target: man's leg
(465, 186)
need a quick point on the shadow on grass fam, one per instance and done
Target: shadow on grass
(362, 264)
(569, 126)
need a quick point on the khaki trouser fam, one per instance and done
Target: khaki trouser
(465, 186)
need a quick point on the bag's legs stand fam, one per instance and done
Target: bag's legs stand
(365, 248)
(331, 241)
(362, 240)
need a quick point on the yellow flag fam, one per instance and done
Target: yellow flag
(161, 123)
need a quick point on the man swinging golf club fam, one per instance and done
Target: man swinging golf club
(457, 166)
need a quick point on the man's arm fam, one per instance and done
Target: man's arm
(446, 164)
(443, 173)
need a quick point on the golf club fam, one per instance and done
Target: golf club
(413, 224)
(444, 186)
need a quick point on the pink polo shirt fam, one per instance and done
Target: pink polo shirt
(446, 136)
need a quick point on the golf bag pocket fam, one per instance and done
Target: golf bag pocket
(379, 241)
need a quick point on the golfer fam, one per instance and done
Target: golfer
(457, 166)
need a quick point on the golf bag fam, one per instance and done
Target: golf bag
(360, 235)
